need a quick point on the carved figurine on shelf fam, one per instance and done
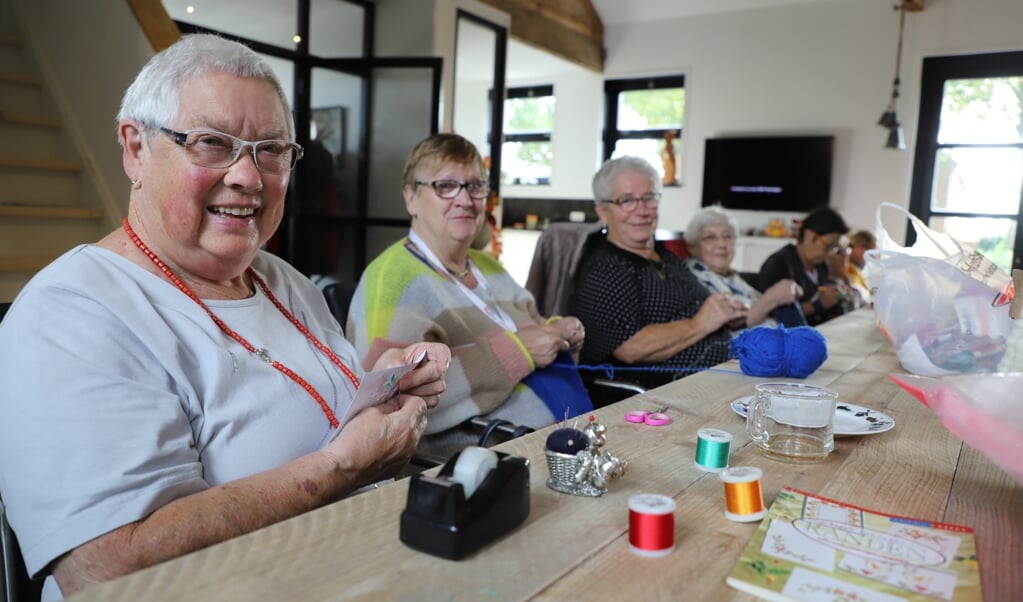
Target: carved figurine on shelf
(577, 462)
(668, 159)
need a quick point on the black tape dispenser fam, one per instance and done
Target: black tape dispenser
(478, 496)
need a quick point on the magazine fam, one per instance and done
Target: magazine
(814, 549)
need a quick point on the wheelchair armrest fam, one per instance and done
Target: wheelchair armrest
(604, 391)
(614, 384)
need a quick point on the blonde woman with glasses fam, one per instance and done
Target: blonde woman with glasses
(710, 238)
(433, 286)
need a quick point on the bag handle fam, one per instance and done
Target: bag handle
(941, 242)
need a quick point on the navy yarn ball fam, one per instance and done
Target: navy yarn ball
(789, 352)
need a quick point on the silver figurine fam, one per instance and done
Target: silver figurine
(588, 471)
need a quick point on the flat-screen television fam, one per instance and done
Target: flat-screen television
(768, 173)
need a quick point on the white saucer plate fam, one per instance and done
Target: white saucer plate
(850, 419)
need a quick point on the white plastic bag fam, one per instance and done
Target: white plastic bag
(942, 303)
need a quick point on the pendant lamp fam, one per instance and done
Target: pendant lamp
(889, 119)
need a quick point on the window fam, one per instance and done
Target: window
(528, 121)
(968, 167)
(643, 118)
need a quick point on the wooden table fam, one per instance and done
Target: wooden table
(576, 548)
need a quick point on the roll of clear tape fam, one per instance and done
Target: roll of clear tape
(472, 467)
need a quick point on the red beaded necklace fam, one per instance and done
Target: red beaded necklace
(260, 353)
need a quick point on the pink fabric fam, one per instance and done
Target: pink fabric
(982, 410)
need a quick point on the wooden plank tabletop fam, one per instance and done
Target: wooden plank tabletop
(577, 548)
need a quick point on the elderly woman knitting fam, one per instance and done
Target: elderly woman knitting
(711, 241)
(431, 285)
(642, 309)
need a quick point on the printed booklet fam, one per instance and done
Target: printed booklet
(814, 549)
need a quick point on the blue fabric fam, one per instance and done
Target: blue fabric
(794, 353)
(561, 388)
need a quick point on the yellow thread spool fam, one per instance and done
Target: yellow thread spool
(744, 502)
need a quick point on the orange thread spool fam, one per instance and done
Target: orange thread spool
(651, 525)
(744, 501)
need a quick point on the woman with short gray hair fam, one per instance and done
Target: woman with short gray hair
(710, 238)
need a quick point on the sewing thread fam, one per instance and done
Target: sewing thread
(744, 501)
(712, 449)
(651, 525)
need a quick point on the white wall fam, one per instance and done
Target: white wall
(810, 68)
(86, 70)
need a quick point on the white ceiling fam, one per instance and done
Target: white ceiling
(616, 12)
(527, 63)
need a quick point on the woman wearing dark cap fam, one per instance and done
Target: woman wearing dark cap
(805, 262)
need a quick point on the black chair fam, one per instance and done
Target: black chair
(13, 574)
(339, 299)
(17, 587)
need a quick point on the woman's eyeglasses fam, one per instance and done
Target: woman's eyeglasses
(713, 239)
(449, 189)
(628, 203)
(210, 148)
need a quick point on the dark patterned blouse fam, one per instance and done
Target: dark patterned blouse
(618, 292)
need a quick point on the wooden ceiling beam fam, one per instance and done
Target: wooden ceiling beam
(159, 28)
(570, 29)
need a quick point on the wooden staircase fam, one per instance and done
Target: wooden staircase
(41, 210)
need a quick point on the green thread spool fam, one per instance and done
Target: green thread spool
(712, 448)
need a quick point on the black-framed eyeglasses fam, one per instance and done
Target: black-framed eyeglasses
(449, 189)
(210, 148)
(628, 203)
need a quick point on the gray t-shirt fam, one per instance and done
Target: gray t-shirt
(119, 394)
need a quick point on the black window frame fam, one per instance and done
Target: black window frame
(525, 92)
(935, 72)
(614, 87)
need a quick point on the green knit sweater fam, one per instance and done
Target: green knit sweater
(401, 299)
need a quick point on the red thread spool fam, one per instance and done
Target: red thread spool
(651, 524)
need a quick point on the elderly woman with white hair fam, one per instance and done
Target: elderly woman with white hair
(642, 309)
(710, 239)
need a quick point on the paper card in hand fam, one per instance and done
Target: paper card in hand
(377, 387)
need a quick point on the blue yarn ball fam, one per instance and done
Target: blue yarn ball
(792, 353)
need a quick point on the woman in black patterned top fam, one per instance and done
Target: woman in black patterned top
(639, 303)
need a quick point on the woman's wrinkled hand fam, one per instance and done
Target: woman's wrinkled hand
(379, 441)
(427, 379)
(571, 331)
(544, 343)
(719, 309)
(783, 292)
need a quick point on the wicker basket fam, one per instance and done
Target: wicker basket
(562, 468)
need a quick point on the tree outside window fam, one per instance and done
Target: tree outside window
(528, 121)
(644, 118)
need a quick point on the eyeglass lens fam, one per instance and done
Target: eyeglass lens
(219, 150)
(715, 238)
(629, 203)
(449, 189)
